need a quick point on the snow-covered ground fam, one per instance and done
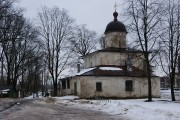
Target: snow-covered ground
(133, 109)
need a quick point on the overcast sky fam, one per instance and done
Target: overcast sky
(96, 14)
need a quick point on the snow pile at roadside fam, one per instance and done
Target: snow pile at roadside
(29, 97)
(7, 102)
(4, 102)
(67, 97)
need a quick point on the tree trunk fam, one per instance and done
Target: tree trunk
(14, 90)
(22, 86)
(2, 76)
(149, 80)
(172, 87)
(149, 85)
(55, 89)
(8, 76)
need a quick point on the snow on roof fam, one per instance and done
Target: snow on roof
(84, 71)
(101, 68)
(69, 72)
(109, 68)
(5, 90)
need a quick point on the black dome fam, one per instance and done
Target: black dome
(115, 26)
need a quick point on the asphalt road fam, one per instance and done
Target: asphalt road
(33, 110)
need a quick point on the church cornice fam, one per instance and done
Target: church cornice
(116, 50)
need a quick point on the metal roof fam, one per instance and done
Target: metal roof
(123, 72)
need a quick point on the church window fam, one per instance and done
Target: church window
(129, 85)
(68, 84)
(63, 84)
(98, 86)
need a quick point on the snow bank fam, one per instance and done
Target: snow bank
(67, 97)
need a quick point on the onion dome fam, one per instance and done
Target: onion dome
(115, 26)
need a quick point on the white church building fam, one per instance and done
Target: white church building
(113, 72)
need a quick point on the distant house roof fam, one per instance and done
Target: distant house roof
(112, 71)
(5, 91)
(5, 87)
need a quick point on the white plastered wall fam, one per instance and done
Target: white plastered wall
(114, 87)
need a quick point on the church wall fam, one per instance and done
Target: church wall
(115, 39)
(177, 81)
(112, 58)
(156, 86)
(72, 81)
(104, 58)
(138, 61)
(114, 87)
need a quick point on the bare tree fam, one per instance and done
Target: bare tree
(18, 39)
(144, 16)
(29, 51)
(11, 26)
(170, 44)
(5, 6)
(102, 41)
(56, 29)
(33, 66)
(84, 41)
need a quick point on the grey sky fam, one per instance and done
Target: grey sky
(96, 14)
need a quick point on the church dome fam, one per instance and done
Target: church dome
(115, 26)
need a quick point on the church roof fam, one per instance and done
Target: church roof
(112, 71)
(121, 50)
(117, 50)
(115, 25)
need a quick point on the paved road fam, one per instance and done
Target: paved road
(32, 110)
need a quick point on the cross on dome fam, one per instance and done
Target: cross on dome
(115, 6)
